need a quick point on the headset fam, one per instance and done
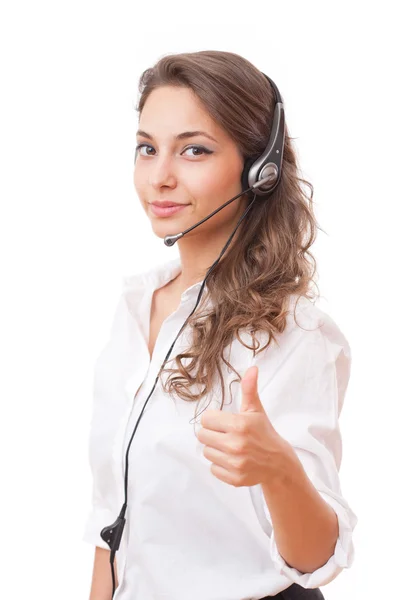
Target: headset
(261, 175)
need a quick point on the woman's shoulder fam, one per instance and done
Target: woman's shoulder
(305, 314)
(309, 330)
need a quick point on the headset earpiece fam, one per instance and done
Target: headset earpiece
(270, 161)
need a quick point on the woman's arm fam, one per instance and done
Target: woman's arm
(303, 396)
(306, 527)
(101, 586)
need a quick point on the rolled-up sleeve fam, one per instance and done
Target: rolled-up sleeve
(99, 517)
(303, 396)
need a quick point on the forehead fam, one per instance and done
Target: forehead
(169, 110)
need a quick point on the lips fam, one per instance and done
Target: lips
(166, 204)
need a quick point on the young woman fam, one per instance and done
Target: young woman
(250, 505)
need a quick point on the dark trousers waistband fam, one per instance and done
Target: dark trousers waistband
(297, 592)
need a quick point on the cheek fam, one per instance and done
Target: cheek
(140, 185)
(136, 179)
(214, 184)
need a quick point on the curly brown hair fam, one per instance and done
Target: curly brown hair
(269, 261)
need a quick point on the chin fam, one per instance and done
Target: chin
(163, 227)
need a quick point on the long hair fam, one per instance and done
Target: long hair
(268, 260)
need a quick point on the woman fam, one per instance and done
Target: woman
(250, 505)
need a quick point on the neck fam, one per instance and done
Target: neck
(201, 247)
(195, 262)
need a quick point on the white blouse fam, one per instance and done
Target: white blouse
(187, 533)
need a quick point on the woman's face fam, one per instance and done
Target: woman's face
(195, 170)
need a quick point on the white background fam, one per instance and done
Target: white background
(72, 227)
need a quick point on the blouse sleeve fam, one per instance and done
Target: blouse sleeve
(103, 509)
(303, 395)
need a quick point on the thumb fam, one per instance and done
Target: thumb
(249, 385)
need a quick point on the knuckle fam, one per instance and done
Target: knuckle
(241, 426)
(237, 447)
(239, 463)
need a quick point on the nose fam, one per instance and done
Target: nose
(161, 172)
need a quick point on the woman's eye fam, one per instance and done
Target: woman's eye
(140, 146)
(201, 150)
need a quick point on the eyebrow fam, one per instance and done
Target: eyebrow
(180, 136)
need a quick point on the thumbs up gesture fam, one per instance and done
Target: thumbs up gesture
(244, 448)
